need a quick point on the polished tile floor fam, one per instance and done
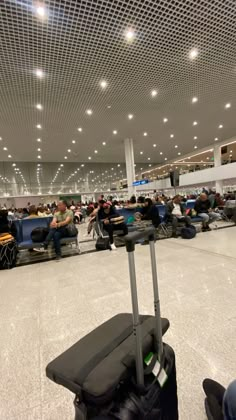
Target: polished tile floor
(46, 307)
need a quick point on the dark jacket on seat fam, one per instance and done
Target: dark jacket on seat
(151, 213)
(202, 206)
(170, 208)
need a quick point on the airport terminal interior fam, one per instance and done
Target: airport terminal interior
(117, 181)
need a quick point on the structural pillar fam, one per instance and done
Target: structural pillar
(217, 162)
(130, 169)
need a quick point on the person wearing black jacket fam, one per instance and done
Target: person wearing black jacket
(177, 214)
(5, 225)
(150, 212)
(111, 221)
(204, 210)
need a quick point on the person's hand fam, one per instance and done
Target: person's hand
(106, 222)
(210, 210)
(53, 225)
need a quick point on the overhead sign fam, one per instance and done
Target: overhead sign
(141, 182)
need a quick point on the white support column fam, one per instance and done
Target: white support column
(130, 170)
(217, 162)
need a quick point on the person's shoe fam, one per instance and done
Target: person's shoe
(208, 229)
(45, 246)
(58, 257)
(211, 387)
(174, 235)
(113, 247)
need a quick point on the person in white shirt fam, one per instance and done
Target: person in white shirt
(176, 213)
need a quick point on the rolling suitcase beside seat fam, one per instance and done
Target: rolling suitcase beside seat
(114, 370)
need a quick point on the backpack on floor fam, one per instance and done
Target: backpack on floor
(188, 232)
(102, 244)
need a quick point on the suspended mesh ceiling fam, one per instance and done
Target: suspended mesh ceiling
(77, 44)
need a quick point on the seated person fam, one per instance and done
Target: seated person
(150, 212)
(32, 213)
(5, 225)
(220, 403)
(177, 214)
(204, 210)
(58, 228)
(111, 221)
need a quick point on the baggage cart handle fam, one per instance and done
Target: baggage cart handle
(133, 237)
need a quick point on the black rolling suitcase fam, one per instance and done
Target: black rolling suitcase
(122, 370)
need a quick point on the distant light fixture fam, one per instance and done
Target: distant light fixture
(228, 105)
(129, 35)
(165, 120)
(148, 158)
(141, 153)
(41, 11)
(103, 84)
(65, 157)
(82, 165)
(14, 164)
(221, 126)
(179, 153)
(109, 106)
(195, 147)
(9, 156)
(39, 106)
(130, 116)
(104, 143)
(193, 53)
(165, 158)
(161, 153)
(39, 126)
(216, 139)
(195, 138)
(154, 145)
(89, 112)
(176, 146)
(89, 158)
(73, 141)
(5, 149)
(69, 150)
(172, 136)
(145, 134)
(38, 150)
(154, 93)
(150, 165)
(61, 165)
(80, 129)
(0, 138)
(194, 100)
(39, 73)
(195, 123)
(114, 131)
(39, 157)
(95, 151)
(39, 140)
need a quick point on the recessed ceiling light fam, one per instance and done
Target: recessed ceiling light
(73, 141)
(14, 164)
(5, 149)
(150, 165)
(179, 153)
(195, 147)
(176, 146)
(95, 151)
(195, 138)
(148, 158)
(39, 126)
(154, 145)
(41, 11)
(39, 73)
(39, 157)
(172, 136)
(114, 131)
(129, 35)
(39, 140)
(216, 139)
(0, 138)
(39, 106)
(154, 93)
(80, 129)
(38, 150)
(228, 105)
(103, 84)
(89, 112)
(141, 153)
(194, 100)
(165, 120)
(89, 158)
(104, 143)
(221, 126)
(130, 116)
(165, 158)
(193, 53)
(161, 153)
(82, 165)
(9, 156)
(65, 157)
(145, 134)
(69, 150)
(195, 123)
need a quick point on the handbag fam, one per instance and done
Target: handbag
(39, 234)
(72, 230)
(102, 244)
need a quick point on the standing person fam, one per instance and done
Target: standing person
(176, 213)
(58, 228)
(111, 221)
(150, 212)
(204, 210)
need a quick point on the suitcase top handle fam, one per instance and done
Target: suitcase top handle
(133, 237)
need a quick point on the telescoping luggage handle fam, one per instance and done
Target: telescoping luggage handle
(130, 241)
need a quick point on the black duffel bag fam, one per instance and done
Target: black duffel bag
(188, 232)
(39, 234)
(102, 244)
